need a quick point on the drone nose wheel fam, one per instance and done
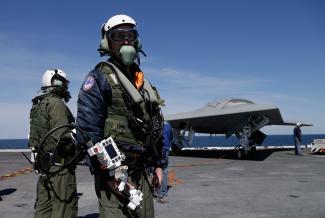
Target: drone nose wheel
(240, 152)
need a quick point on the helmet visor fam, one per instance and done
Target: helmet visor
(121, 35)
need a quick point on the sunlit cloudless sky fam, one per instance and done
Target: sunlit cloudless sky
(270, 52)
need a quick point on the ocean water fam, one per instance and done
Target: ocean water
(13, 143)
(198, 141)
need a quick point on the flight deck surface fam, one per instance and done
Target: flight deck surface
(275, 184)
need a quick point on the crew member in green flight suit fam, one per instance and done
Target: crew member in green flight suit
(56, 193)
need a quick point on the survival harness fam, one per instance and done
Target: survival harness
(133, 116)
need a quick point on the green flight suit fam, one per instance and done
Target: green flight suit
(56, 196)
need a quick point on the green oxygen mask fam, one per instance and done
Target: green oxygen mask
(127, 54)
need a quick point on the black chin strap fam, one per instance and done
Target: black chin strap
(138, 56)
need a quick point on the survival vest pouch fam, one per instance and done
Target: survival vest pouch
(137, 115)
(38, 121)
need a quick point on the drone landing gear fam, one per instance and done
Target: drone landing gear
(241, 153)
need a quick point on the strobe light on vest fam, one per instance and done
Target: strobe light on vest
(109, 156)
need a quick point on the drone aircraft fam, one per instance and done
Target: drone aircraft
(240, 117)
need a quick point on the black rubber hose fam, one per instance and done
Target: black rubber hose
(40, 149)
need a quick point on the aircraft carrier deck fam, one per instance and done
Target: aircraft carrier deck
(204, 184)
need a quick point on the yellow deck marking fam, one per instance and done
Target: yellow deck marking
(172, 178)
(17, 173)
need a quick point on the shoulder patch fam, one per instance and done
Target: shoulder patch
(89, 83)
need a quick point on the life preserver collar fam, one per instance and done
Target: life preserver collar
(130, 89)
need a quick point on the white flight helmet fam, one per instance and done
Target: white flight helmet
(298, 124)
(111, 23)
(48, 76)
(118, 20)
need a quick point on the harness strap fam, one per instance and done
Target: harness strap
(130, 89)
(127, 85)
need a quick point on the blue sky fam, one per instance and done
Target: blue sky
(270, 52)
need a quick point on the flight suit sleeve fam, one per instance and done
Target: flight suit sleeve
(92, 106)
(59, 115)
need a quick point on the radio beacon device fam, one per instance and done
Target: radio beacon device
(107, 153)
